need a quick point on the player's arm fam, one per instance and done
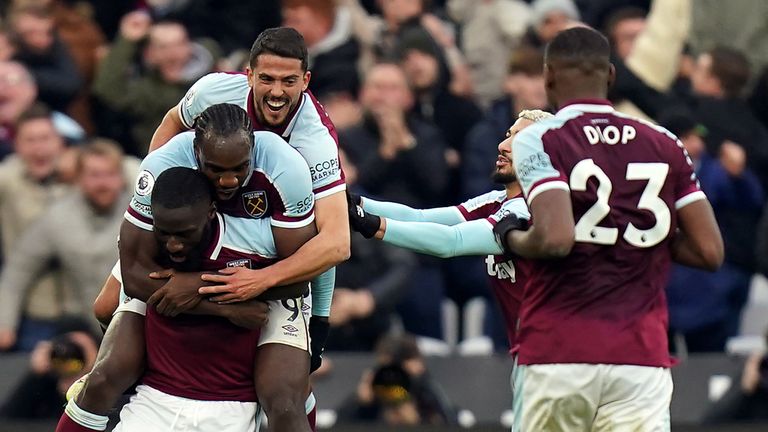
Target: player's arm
(698, 242)
(401, 212)
(552, 234)
(170, 126)
(468, 238)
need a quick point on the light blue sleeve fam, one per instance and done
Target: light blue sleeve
(322, 292)
(178, 152)
(212, 89)
(289, 174)
(390, 210)
(468, 238)
(532, 163)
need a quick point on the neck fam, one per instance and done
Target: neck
(513, 189)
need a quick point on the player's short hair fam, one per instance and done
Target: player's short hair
(526, 60)
(282, 42)
(103, 147)
(223, 120)
(36, 111)
(534, 115)
(731, 68)
(179, 187)
(582, 48)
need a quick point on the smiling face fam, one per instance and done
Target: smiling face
(226, 162)
(505, 169)
(277, 83)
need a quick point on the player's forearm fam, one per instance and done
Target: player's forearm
(136, 281)
(401, 212)
(470, 238)
(686, 252)
(169, 127)
(536, 244)
(319, 254)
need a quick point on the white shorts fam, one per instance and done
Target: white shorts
(288, 322)
(591, 397)
(152, 410)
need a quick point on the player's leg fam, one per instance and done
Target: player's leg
(635, 398)
(555, 397)
(119, 365)
(282, 366)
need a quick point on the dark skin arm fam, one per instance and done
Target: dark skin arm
(698, 242)
(552, 233)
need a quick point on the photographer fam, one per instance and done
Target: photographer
(54, 365)
(398, 391)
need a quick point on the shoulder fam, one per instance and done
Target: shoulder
(516, 206)
(492, 197)
(222, 79)
(178, 151)
(312, 122)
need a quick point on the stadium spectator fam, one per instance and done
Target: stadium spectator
(718, 82)
(39, 47)
(172, 64)
(762, 244)
(490, 30)
(647, 54)
(84, 40)
(28, 185)
(523, 89)
(53, 366)
(454, 115)
(333, 53)
(401, 158)
(548, 18)
(18, 92)
(398, 390)
(7, 48)
(758, 100)
(368, 286)
(93, 213)
(379, 36)
(708, 315)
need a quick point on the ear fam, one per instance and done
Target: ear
(251, 76)
(307, 77)
(212, 211)
(611, 75)
(549, 77)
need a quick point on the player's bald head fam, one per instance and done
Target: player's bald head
(577, 64)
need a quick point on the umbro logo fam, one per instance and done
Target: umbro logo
(290, 328)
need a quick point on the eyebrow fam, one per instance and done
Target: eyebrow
(218, 167)
(265, 75)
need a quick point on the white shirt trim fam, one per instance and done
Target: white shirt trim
(590, 108)
(220, 240)
(690, 198)
(143, 225)
(292, 123)
(542, 187)
(330, 191)
(296, 224)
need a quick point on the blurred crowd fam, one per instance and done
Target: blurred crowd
(421, 92)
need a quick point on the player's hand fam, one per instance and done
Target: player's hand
(178, 295)
(135, 25)
(509, 223)
(361, 221)
(235, 284)
(318, 335)
(7, 338)
(251, 314)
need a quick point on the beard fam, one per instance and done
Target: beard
(503, 178)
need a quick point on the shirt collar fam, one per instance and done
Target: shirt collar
(587, 106)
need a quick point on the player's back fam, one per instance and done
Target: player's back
(604, 302)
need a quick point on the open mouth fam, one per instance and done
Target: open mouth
(501, 161)
(275, 105)
(178, 258)
(226, 193)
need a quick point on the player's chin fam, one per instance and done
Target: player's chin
(225, 195)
